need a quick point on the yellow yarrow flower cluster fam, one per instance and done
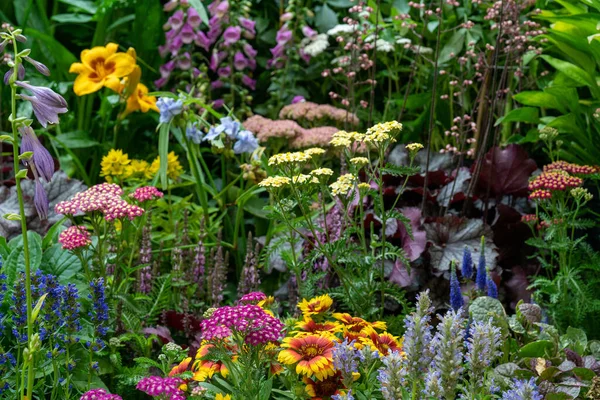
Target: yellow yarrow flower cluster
(289, 158)
(345, 139)
(321, 172)
(274, 181)
(382, 132)
(174, 168)
(359, 160)
(314, 151)
(343, 185)
(303, 178)
(414, 147)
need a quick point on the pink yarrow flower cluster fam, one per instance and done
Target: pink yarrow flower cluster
(249, 320)
(104, 198)
(99, 394)
(157, 386)
(146, 193)
(253, 298)
(74, 237)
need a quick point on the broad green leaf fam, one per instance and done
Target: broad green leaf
(575, 73)
(538, 99)
(575, 339)
(540, 348)
(121, 21)
(325, 18)
(197, 4)
(72, 18)
(453, 46)
(59, 54)
(75, 140)
(163, 151)
(16, 260)
(85, 5)
(483, 308)
(60, 263)
(524, 114)
(566, 95)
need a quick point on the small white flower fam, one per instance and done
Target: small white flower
(342, 28)
(318, 45)
(422, 49)
(401, 40)
(384, 46)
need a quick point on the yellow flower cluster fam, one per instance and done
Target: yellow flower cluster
(343, 185)
(345, 139)
(314, 151)
(289, 158)
(303, 178)
(103, 66)
(117, 164)
(414, 147)
(359, 160)
(274, 181)
(309, 348)
(321, 172)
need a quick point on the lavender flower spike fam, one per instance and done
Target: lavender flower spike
(492, 289)
(417, 338)
(456, 298)
(523, 390)
(483, 346)
(392, 376)
(467, 263)
(41, 159)
(345, 360)
(480, 280)
(46, 103)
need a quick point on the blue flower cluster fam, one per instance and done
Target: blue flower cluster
(345, 359)
(7, 363)
(3, 291)
(99, 311)
(483, 279)
(245, 141)
(523, 390)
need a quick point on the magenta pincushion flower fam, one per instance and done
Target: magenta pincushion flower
(146, 193)
(74, 237)
(104, 198)
(249, 320)
(99, 394)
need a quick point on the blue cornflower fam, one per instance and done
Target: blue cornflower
(456, 298)
(523, 390)
(193, 132)
(246, 142)
(228, 126)
(467, 263)
(168, 108)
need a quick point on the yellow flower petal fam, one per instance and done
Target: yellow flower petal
(121, 64)
(85, 85)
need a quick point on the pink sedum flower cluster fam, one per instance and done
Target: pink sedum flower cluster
(249, 320)
(166, 387)
(298, 137)
(104, 198)
(99, 394)
(146, 193)
(313, 112)
(74, 237)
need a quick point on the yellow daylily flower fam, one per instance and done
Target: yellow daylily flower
(139, 100)
(101, 66)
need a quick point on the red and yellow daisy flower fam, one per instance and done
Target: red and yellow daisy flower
(384, 343)
(316, 305)
(313, 355)
(356, 324)
(205, 369)
(308, 326)
(319, 390)
(181, 368)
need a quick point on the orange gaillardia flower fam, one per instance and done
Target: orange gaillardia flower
(384, 343)
(313, 355)
(181, 368)
(316, 305)
(99, 67)
(309, 327)
(205, 369)
(319, 390)
(356, 324)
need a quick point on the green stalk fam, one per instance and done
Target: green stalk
(13, 100)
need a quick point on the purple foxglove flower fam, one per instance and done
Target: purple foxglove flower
(239, 61)
(45, 102)
(168, 108)
(304, 56)
(41, 159)
(40, 200)
(219, 103)
(202, 41)
(309, 32)
(175, 45)
(251, 83)
(249, 50)
(218, 8)
(176, 20)
(193, 133)
(248, 25)
(196, 72)
(161, 82)
(456, 299)
(246, 143)
(216, 84)
(286, 17)
(298, 99)
(185, 61)
(170, 6)
(492, 289)
(283, 36)
(193, 18)
(467, 263)
(252, 64)
(216, 59)
(187, 34)
(166, 69)
(231, 35)
(224, 72)
(41, 68)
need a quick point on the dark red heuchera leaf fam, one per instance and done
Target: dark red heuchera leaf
(162, 332)
(509, 174)
(517, 286)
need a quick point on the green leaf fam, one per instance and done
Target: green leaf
(575, 339)
(84, 5)
(72, 18)
(197, 4)
(75, 140)
(121, 21)
(540, 348)
(538, 99)
(16, 259)
(575, 73)
(60, 263)
(453, 46)
(484, 307)
(58, 54)
(524, 114)
(163, 151)
(52, 232)
(326, 18)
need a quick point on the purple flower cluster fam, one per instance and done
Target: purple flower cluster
(99, 394)
(523, 390)
(249, 320)
(456, 299)
(345, 359)
(483, 344)
(417, 337)
(229, 129)
(157, 386)
(253, 298)
(99, 312)
(392, 376)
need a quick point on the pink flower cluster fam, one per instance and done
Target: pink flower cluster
(253, 298)
(571, 168)
(313, 112)
(157, 386)
(74, 237)
(104, 198)
(146, 193)
(249, 320)
(99, 394)
(298, 137)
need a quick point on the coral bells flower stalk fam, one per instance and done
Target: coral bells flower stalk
(74, 237)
